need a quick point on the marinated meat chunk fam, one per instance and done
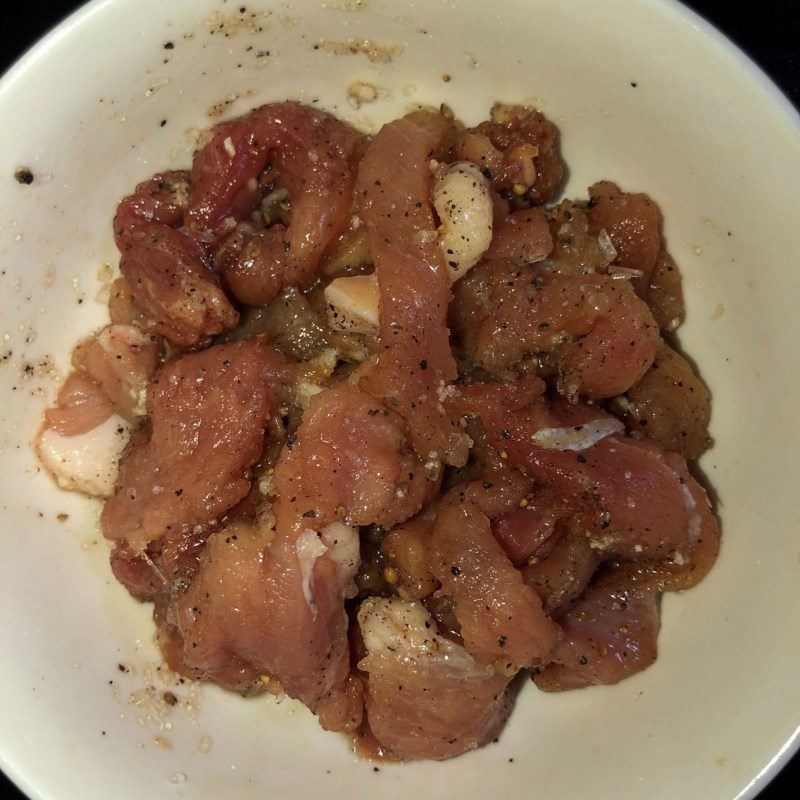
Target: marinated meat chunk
(601, 336)
(208, 412)
(166, 267)
(665, 294)
(682, 569)
(313, 157)
(500, 617)
(609, 634)
(263, 609)
(351, 460)
(407, 549)
(560, 569)
(669, 405)
(414, 365)
(81, 439)
(122, 309)
(633, 224)
(549, 540)
(577, 250)
(81, 405)
(311, 153)
(426, 697)
(522, 238)
(517, 150)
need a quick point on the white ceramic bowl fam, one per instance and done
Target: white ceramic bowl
(703, 131)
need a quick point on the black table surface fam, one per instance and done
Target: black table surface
(769, 32)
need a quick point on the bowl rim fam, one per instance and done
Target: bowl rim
(714, 37)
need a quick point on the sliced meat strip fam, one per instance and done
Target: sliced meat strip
(82, 439)
(527, 529)
(500, 617)
(208, 412)
(665, 293)
(669, 405)
(633, 224)
(265, 609)
(602, 337)
(351, 460)
(166, 267)
(560, 569)
(522, 238)
(414, 365)
(426, 697)
(313, 157)
(81, 405)
(609, 635)
(682, 569)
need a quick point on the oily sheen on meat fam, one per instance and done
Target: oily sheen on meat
(384, 425)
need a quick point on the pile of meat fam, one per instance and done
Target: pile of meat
(382, 428)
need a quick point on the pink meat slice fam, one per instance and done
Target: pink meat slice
(426, 697)
(139, 575)
(633, 224)
(414, 364)
(351, 461)
(166, 266)
(246, 618)
(219, 615)
(121, 359)
(686, 569)
(616, 352)
(313, 156)
(162, 199)
(500, 616)
(609, 634)
(81, 405)
(519, 240)
(649, 504)
(670, 405)
(208, 412)
(602, 336)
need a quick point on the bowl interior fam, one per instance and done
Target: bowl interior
(645, 94)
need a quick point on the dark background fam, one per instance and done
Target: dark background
(769, 32)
